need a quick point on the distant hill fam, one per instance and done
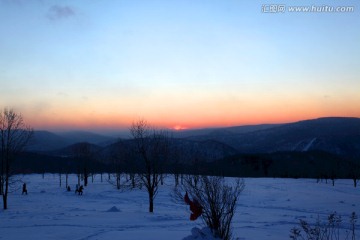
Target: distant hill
(335, 135)
(222, 131)
(44, 141)
(322, 148)
(77, 149)
(83, 136)
(182, 150)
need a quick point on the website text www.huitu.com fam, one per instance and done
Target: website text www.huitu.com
(282, 8)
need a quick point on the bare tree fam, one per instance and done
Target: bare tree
(119, 156)
(176, 169)
(151, 148)
(14, 136)
(217, 198)
(84, 154)
(354, 172)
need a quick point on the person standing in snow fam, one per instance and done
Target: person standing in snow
(195, 207)
(81, 190)
(24, 190)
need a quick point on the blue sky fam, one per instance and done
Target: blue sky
(102, 64)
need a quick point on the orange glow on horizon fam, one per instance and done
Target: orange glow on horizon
(179, 127)
(109, 123)
(191, 117)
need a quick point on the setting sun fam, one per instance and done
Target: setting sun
(179, 127)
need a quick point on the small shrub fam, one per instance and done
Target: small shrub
(217, 198)
(329, 230)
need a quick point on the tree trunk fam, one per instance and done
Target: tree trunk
(150, 191)
(1, 186)
(151, 202)
(5, 195)
(118, 181)
(60, 178)
(132, 176)
(85, 177)
(5, 201)
(176, 179)
(78, 179)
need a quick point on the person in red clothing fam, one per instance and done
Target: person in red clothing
(195, 207)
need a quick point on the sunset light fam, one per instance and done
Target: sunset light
(178, 128)
(217, 63)
(179, 119)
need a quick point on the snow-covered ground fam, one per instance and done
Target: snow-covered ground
(267, 209)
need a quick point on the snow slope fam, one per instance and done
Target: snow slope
(267, 209)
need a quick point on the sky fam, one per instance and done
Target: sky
(177, 63)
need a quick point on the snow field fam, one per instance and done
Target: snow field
(267, 209)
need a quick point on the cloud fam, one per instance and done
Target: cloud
(57, 12)
(40, 107)
(62, 94)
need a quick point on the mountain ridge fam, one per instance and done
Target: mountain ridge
(333, 134)
(337, 135)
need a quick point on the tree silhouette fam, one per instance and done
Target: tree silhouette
(14, 136)
(151, 149)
